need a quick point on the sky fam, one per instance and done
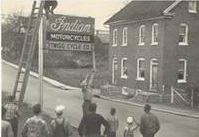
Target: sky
(101, 10)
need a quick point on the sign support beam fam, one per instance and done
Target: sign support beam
(41, 43)
(93, 56)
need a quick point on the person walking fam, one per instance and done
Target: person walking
(6, 129)
(35, 126)
(90, 125)
(131, 126)
(149, 123)
(113, 122)
(60, 126)
(12, 114)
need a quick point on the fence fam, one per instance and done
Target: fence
(191, 98)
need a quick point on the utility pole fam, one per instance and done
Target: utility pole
(41, 43)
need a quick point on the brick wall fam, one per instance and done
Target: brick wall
(167, 52)
(173, 51)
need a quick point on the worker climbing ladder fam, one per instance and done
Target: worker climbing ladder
(29, 47)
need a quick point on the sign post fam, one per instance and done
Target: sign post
(93, 57)
(41, 43)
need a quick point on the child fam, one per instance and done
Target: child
(131, 126)
(60, 126)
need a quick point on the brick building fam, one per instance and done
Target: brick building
(154, 45)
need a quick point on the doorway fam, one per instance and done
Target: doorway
(114, 71)
(153, 74)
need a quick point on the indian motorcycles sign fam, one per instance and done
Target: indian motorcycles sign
(70, 33)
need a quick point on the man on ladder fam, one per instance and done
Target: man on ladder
(49, 6)
(29, 46)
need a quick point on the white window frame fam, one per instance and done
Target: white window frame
(195, 6)
(115, 37)
(138, 69)
(113, 67)
(124, 91)
(186, 34)
(184, 80)
(141, 35)
(122, 68)
(124, 36)
(153, 42)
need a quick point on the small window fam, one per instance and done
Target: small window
(124, 69)
(182, 71)
(183, 34)
(154, 34)
(141, 69)
(124, 38)
(115, 37)
(141, 35)
(193, 6)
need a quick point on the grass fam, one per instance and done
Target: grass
(73, 77)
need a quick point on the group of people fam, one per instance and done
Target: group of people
(90, 125)
(34, 126)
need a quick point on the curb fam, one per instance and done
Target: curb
(65, 87)
(154, 108)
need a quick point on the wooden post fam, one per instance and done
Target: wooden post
(41, 43)
(93, 56)
(162, 95)
(172, 95)
(192, 96)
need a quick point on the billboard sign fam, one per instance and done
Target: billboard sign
(70, 33)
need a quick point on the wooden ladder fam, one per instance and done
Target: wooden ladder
(29, 46)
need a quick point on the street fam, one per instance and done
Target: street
(171, 125)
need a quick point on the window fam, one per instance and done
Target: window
(154, 34)
(124, 37)
(124, 68)
(182, 71)
(141, 35)
(140, 69)
(115, 37)
(124, 91)
(193, 6)
(183, 34)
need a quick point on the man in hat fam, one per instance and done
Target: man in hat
(60, 126)
(35, 126)
(149, 123)
(12, 114)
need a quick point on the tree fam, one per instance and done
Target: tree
(12, 38)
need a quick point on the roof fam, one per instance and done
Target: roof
(139, 10)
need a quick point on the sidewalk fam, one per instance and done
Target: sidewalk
(187, 112)
(192, 113)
